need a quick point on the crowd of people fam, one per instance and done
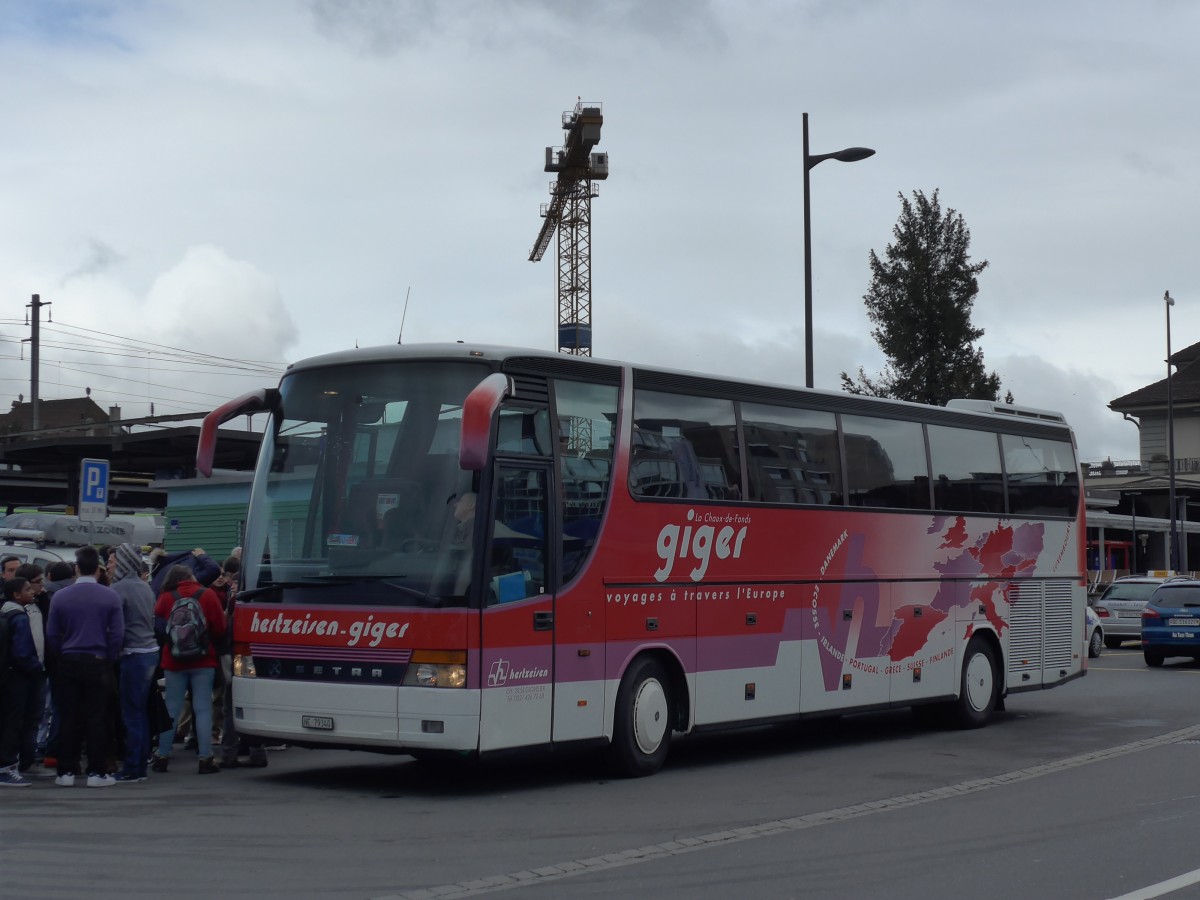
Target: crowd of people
(84, 649)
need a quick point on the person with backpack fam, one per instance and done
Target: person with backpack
(189, 619)
(84, 635)
(21, 678)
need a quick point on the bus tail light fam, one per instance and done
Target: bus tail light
(437, 669)
(243, 662)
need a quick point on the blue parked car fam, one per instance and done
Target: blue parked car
(1171, 622)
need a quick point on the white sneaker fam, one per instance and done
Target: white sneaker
(65, 780)
(101, 781)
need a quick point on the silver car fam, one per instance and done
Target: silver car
(1120, 608)
(1095, 633)
(29, 552)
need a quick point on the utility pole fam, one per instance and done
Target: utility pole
(1174, 549)
(34, 356)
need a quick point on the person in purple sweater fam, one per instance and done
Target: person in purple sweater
(84, 635)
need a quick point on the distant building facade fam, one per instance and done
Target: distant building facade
(1138, 491)
(74, 415)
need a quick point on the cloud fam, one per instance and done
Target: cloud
(345, 151)
(383, 28)
(100, 258)
(209, 328)
(209, 303)
(375, 27)
(1081, 396)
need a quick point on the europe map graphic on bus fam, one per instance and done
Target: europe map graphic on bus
(1006, 552)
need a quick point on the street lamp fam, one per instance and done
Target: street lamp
(850, 154)
(1171, 442)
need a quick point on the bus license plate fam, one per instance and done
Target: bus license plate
(324, 723)
(1183, 622)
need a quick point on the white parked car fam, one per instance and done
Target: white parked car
(1095, 633)
(34, 552)
(1120, 608)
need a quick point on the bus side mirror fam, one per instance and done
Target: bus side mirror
(478, 411)
(264, 400)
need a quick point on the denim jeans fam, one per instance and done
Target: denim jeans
(137, 671)
(44, 726)
(51, 745)
(20, 696)
(201, 683)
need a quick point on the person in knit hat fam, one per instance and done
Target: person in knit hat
(139, 656)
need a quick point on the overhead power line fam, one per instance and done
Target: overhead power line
(80, 346)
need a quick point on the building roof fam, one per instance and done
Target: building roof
(48, 467)
(1185, 385)
(150, 453)
(81, 411)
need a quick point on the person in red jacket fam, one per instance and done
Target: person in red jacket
(194, 675)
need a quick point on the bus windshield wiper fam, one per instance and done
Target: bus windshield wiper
(349, 577)
(259, 592)
(340, 580)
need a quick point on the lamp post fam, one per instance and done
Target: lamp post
(850, 154)
(1171, 442)
(1133, 528)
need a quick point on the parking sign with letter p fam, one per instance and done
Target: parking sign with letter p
(93, 490)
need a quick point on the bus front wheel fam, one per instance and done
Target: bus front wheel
(642, 723)
(980, 688)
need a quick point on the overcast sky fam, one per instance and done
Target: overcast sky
(265, 181)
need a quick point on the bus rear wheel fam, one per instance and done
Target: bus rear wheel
(642, 722)
(980, 688)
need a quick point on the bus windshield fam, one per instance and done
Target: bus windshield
(358, 486)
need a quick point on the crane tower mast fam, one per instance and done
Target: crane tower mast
(569, 212)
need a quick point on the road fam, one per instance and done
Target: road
(1086, 791)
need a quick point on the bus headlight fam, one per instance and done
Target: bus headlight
(437, 669)
(243, 665)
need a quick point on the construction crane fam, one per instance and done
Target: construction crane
(569, 212)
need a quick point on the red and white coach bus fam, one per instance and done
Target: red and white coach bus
(473, 549)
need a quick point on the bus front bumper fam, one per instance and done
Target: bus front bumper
(368, 716)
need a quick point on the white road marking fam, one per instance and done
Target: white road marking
(1187, 879)
(569, 869)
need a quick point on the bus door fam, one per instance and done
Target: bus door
(517, 640)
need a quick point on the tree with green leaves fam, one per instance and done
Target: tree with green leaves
(920, 302)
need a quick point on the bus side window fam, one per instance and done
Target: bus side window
(966, 470)
(523, 430)
(792, 455)
(684, 446)
(1040, 475)
(886, 463)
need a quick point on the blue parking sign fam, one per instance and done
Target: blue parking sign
(93, 490)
